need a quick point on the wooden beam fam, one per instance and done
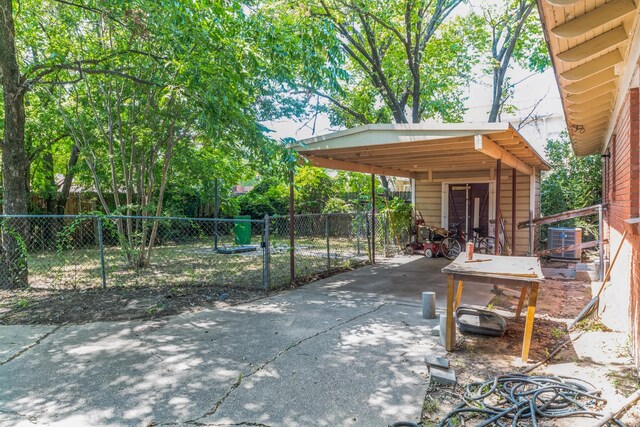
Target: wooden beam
(578, 98)
(570, 248)
(595, 18)
(493, 150)
(406, 155)
(589, 210)
(396, 146)
(373, 218)
(356, 167)
(592, 67)
(591, 82)
(513, 211)
(596, 45)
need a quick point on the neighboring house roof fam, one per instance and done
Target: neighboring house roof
(420, 150)
(594, 48)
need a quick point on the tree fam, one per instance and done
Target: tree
(510, 31)
(202, 63)
(572, 183)
(402, 61)
(14, 156)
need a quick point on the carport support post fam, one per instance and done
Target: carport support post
(292, 252)
(373, 218)
(513, 212)
(497, 226)
(266, 279)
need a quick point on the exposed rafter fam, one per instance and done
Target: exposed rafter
(594, 46)
(592, 81)
(595, 18)
(356, 167)
(595, 104)
(493, 150)
(579, 98)
(589, 116)
(592, 67)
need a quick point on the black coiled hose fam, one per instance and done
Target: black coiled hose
(517, 399)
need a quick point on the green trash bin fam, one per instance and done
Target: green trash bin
(242, 231)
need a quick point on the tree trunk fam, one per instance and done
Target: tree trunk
(63, 196)
(14, 157)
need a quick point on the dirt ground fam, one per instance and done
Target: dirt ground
(559, 302)
(44, 305)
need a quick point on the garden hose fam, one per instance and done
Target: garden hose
(517, 399)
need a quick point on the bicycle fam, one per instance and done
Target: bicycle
(453, 245)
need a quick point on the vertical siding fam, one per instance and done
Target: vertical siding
(621, 301)
(429, 201)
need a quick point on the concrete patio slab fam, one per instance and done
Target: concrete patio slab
(405, 278)
(17, 338)
(330, 353)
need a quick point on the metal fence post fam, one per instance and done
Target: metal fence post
(326, 232)
(266, 272)
(357, 218)
(101, 245)
(386, 234)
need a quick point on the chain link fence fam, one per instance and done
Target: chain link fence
(88, 251)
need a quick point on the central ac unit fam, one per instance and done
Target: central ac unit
(563, 236)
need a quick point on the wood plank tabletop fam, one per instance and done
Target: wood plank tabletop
(517, 268)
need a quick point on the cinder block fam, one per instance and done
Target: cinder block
(442, 376)
(440, 362)
(435, 331)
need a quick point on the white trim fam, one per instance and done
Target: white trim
(439, 129)
(444, 222)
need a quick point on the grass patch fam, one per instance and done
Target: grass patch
(625, 380)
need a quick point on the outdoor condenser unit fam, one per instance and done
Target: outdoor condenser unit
(560, 237)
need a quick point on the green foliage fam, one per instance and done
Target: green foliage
(337, 205)
(572, 183)
(313, 189)
(373, 62)
(269, 196)
(400, 213)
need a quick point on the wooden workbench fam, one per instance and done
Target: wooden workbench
(524, 272)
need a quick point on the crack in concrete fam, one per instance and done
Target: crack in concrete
(29, 418)
(38, 341)
(237, 384)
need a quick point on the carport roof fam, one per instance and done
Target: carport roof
(420, 150)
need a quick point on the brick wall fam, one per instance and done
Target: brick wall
(621, 301)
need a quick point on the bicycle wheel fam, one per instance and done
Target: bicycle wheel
(487, 245)
(450, 248)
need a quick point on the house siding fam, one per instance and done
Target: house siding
(428, 202)
(620, 302)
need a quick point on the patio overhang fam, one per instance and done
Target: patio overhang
(422, 151)
(594, 47)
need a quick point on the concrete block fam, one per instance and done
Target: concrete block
(442, 376)
(435, 331)
(437, 361)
